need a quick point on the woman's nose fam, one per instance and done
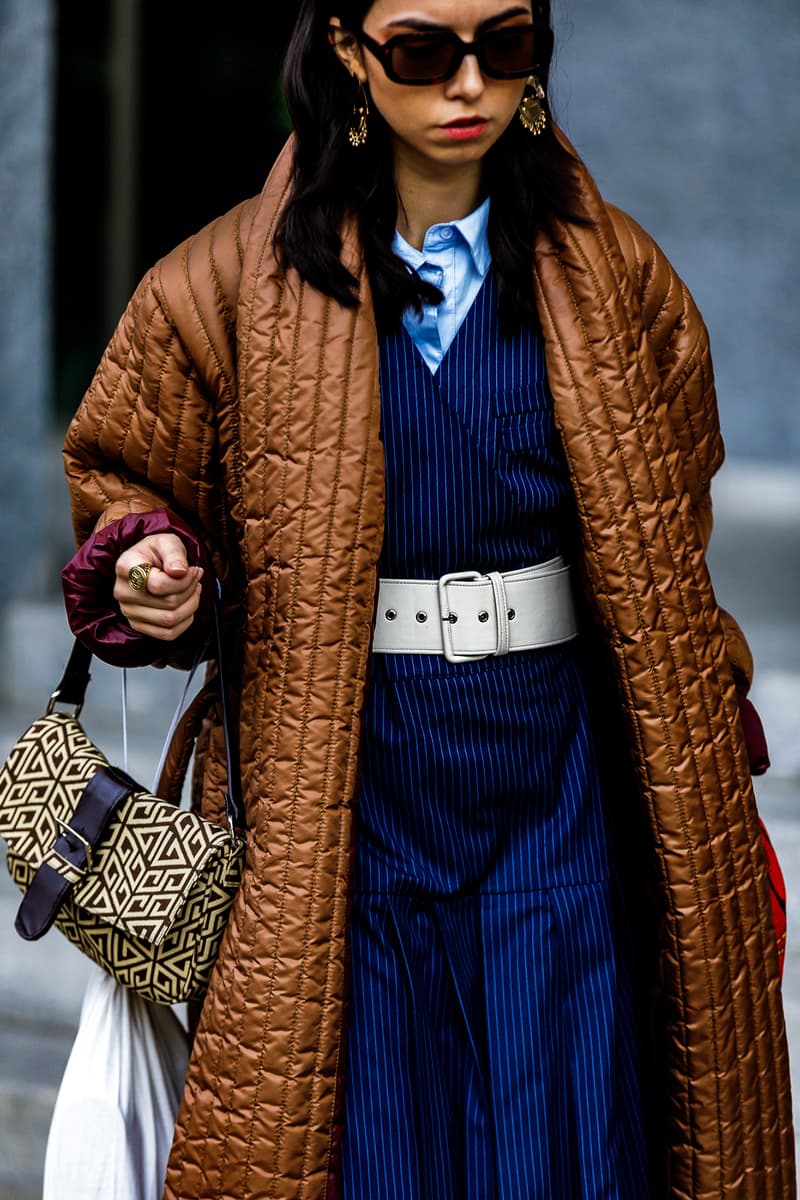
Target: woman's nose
(468, 80)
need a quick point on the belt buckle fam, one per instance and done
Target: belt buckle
(449, 617)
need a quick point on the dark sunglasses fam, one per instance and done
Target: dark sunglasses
(422, 58)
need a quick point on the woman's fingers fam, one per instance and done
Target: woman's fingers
(166, 612)
(166, 626)
(162, 591)
(160, 620)
(164, 608)
(163, 551)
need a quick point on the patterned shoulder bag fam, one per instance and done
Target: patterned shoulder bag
(141, 886)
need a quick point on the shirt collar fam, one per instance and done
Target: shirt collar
(473, 230)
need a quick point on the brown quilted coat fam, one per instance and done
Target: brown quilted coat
(249, 403)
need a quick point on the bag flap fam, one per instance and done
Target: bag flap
(145, 867)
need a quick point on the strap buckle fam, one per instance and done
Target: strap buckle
(56, 699)
(70, 834)
(450, 616)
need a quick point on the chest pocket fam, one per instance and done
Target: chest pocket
(529, 458)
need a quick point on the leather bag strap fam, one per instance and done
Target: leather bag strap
(75, 846)
(75, 680)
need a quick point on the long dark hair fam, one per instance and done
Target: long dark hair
(529, 179)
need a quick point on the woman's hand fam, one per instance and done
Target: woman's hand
(166, 607)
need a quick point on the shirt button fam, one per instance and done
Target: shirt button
(446, 234)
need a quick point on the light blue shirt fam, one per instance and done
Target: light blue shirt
(455, 258)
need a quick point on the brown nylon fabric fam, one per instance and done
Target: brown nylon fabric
(226, 372)
(638, 480)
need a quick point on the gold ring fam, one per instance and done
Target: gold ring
(137, 576)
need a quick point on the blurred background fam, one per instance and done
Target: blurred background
(127, 124)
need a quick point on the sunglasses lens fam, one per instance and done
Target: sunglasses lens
(434, 57)
(509, 52)
(427, 57)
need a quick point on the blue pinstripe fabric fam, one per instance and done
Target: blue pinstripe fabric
(491, 1050)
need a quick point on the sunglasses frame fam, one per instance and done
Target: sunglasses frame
(383, 52)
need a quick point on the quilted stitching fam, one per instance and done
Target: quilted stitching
(286, 413)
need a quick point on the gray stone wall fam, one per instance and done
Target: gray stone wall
(26, 86)
(688, 114)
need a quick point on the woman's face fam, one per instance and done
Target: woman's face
(439, 124)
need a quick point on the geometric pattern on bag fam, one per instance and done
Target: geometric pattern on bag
(154, 905)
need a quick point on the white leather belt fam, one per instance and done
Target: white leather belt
(466, 615)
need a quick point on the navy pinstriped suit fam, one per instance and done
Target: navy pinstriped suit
(491, 1051)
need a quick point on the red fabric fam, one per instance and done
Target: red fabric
(754, 736)
(93, 613)
(758, 754)
(777, 890)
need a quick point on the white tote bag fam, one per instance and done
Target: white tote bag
(114, 1118)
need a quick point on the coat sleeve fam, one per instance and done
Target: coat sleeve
(679, 339)
(145, 438)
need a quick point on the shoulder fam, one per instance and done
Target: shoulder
(657, 284)
(191, 295)
(675, 328)
(663, 317)
(678, 338)
(203, 273)
(198, 284)
(640, 251)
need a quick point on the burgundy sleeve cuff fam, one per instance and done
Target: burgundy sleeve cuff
(754, 737)
(93, 614)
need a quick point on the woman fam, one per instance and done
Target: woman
(356, 377)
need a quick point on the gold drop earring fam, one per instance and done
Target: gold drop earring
(358, 131)
(531, 110)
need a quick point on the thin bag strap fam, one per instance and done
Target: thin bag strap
(169, 784)
(233, 803)
(71, 691)
(172, 729)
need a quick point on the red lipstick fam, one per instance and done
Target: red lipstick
(463, 128)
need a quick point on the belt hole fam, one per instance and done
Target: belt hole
(451, 618)
(422, 617)
(512, 612)
(483, 617)
(391, 614)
